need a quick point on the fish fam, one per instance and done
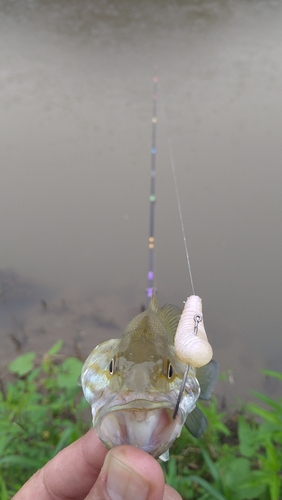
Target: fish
(133, 383)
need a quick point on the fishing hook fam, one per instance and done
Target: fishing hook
(197, 319)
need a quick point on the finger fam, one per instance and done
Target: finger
(171, 494)
(70, 475)
(129, 474)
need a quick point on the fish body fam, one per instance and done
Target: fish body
(133, 383)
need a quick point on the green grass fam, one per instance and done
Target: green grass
(41, 412)
(238, 458)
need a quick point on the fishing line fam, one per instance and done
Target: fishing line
(173, 169)
(197, 318)
(180, 211)
(151, 240)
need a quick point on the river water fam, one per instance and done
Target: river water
(76, 101)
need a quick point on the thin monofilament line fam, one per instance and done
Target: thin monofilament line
(180, 210)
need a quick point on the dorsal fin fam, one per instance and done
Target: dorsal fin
(154, 306)
(170, 316)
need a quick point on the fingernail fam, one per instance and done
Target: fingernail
(123, 483)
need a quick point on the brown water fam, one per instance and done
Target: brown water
(76, 85)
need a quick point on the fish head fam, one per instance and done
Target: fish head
(133, 383)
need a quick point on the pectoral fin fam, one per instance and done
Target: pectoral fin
(196, 423)
(207, 378)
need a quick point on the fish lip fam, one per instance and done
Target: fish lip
(139, 403)
(142, 419)
(123, 415)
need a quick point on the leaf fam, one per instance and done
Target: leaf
(69, 372)
(208, 487)
(23, 461)
(34, 374)
(211, 466)
(239, 468)
(64, 440)
(269, 401)
(3, 489)
(247, 437)
(22, 364)
(271, 373)
(265, 414)
(4, 441)
(252, 487)
(55, 348)
(274, 487)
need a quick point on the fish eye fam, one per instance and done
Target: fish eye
(111, 366)
(169, 371)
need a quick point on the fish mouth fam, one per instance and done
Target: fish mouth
(149, 425)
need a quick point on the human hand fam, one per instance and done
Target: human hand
(85, 470)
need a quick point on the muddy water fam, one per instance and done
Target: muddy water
(76, 84)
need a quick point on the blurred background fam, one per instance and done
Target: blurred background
(76, 106)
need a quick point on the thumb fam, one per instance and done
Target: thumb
(129, 473)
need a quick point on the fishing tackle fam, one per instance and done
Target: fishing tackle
(151, 240)
(197, 319)
(190, 348)
(191, 343)
(144, 386)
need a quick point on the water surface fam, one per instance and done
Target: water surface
(76, 85)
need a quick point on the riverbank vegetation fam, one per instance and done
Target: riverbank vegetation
(42, 410)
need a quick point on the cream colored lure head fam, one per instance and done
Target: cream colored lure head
(132, 384)
(192, 349)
